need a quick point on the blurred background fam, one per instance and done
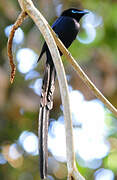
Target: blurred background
(95, 127)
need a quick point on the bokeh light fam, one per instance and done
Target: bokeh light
(2, 159)
(29, 142)
(31, 75)
(56, 139)
(36, 86)
(92, 164)
(49, 178)
(27, 60)
(89, 23)
(90, 131)
(13, 152)
(19, 34)
(12, 155)
(104, 174)
(90, 33)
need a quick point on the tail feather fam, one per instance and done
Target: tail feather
(43, 130)
(46, 105)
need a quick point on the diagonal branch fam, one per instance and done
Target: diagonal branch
(81, 73)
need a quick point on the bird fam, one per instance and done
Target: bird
(66, 28)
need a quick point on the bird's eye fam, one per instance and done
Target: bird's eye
(73, 11)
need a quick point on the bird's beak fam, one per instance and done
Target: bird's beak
(84, 12)
(80, 12)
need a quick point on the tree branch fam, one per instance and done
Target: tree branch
(81, 73)
(18, 23)
(42, 24)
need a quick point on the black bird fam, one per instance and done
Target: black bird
(66, 27)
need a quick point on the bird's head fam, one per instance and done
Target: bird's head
(74, 13)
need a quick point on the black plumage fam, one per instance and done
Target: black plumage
(66, 27)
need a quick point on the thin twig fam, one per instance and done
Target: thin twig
(42, 24)
(18, 23)
(82, 75)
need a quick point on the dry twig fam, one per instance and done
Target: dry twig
(18, 23)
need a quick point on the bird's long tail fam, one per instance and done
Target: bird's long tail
(46, 105)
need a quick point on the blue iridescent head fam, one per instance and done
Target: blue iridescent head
(74, 13)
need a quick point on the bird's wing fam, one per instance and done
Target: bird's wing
(54, 26)
(60, 19)
(44, 49)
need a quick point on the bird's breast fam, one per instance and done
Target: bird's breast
(67, 30)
